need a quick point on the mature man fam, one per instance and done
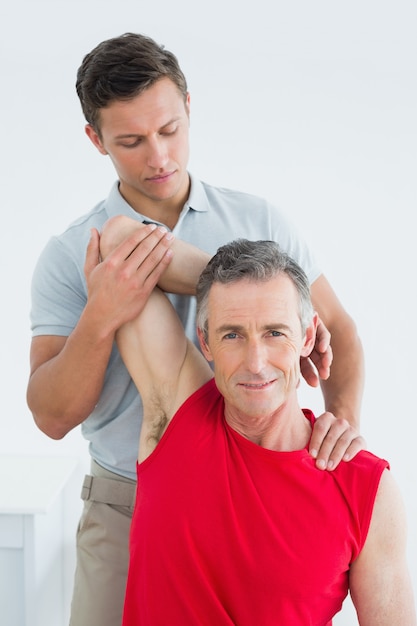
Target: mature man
(234, 525)
(136, 103)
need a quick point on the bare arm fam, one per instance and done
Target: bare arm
(164, 365)
(342, 391)
(67, 374)
(120, 236)
(379, 579)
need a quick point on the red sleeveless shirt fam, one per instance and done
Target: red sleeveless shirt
(227, 533)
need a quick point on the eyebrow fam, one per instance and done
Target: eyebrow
(228, 328)
(136, 135)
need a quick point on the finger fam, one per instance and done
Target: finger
(322, 362)
(330, 440)
(327, 358)
(340, 449)
(355, 446)
(323, 337)
(321, 429)
(308, 372)
(341, 442)
(122, 251)
(157, 269)
(151, 250)
(92, 256)
(140, 251)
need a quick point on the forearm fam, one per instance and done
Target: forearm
(343, 390)
(182, 273)
(63, 389)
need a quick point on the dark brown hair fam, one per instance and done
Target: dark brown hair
(120, 69)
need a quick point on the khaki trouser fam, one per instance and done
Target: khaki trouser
(102, 549)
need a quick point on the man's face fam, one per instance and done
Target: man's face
(255, 343)
(147, 141)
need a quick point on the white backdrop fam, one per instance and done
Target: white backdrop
(310, 104)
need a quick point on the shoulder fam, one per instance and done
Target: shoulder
(232, 196)
(204, 195)
(241, 209)
(206, 399)
(359, 481)
(389, 504)
(74, 239)
(366, 461)
(76, 235)
(362, 473)
(94, 218)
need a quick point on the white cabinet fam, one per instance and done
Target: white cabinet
(32, 539)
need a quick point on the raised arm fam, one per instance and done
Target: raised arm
(120, 239)
(380, 583)
(164, 365)
(67, 373)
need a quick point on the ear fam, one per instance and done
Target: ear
(187, 104)
(95, 139)
(310, 337)
(204, 345)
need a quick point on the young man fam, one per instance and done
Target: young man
(234, 525)
(135, 100)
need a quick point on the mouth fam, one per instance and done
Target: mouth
(160, 178)
(257, 386)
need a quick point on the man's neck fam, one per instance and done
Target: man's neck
(280, 432)
(166, 211)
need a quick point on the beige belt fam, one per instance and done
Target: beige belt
(108, 491)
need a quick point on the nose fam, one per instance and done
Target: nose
(157, 153)
(255, 357)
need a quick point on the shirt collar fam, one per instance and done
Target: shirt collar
(197, 201)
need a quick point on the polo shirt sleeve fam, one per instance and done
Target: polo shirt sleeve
(58, 291)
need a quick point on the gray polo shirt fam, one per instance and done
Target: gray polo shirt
(211, 217)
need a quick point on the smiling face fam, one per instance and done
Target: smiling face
(147, 139)
(255, 341)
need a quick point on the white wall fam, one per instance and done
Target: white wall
(311, 104)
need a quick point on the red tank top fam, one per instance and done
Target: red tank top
(227, 533)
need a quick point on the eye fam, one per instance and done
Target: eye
(131, 144)
(230, 336)
(276, 333)
(169, 131)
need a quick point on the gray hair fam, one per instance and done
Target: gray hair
(256, 261)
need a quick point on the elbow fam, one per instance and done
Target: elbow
(346, 333)
(53, 426)
(52, 431)
(355, 339)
